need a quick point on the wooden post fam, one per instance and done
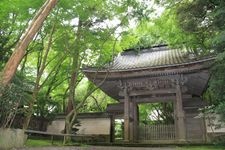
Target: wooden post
(135, 129)
(112, 128)
(204, 129)
(175, 118)
(126, 115)
(52, 139)
(179, 113)
(131, 123)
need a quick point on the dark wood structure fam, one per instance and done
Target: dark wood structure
(157, 74)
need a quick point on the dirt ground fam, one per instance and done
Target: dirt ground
(99, 148)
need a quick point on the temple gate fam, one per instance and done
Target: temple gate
(154, 75)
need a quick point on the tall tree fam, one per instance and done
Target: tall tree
(87, 33)
(20, 49)
(204, 19)
(15, 16)
(42, 64)
(94, 38)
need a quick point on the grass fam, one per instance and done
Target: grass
(46, 142)
(201, 148)
(210, 147)
(41, 142)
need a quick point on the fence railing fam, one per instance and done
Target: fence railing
(156, 132)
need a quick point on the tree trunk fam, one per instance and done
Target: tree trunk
(71, 109)
(74, 72)
(20, 49)
(40, 71)
(72, 85)
(69, 122)
(30, 109)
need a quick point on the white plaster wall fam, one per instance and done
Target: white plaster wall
(94, 126)
(57, 126)
(88, 126)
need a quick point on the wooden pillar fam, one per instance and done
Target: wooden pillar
(135, 129)
(112, 128)
(179, 113)
(131, 123)
(133, 120)
(126, 115)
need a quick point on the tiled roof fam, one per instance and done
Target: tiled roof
(152, 57)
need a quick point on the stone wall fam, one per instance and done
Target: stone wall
(12, 138)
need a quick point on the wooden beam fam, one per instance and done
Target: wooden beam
(148, 92)
(158, 99)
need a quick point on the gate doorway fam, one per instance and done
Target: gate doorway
(158, 132)
(156, 122)
(119, 127)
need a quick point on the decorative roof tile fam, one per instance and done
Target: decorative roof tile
(153, 57)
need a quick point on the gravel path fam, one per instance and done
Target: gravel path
(100, 148)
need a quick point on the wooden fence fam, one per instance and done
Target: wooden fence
(156, 132)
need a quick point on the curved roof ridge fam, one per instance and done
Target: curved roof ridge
(145, 50)
(153, 57)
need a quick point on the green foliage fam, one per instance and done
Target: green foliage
(215, 94)
(221, 111)
(203, 28)
(156, 113)
(201, 19)
(163, 30)
(46, 107)
(14, 16)
(217, 83)
(104, 32)
(96, 102)
(119, 127)
(12, 99)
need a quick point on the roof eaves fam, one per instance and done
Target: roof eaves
(145, 68)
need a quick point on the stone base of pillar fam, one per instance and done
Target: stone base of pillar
(182, 141)
(126, 141)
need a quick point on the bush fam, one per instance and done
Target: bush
(12, 99)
